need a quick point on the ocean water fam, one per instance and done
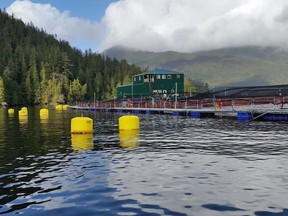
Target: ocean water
(175, 166)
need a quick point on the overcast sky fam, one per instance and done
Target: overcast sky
(159, 25)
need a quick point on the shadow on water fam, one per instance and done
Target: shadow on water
(267, 213)
(220, 208)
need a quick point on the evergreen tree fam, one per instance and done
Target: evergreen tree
(53, 91)
(38, 68)
(32, 81)
(2, 96)
(98, 84)
(189, 87)
(10, 87)
(40, 96)
(28, 87)
(76, 91)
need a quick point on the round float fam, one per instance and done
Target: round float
(81, 125)
(130, 122)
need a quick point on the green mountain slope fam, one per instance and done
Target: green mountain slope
(36, 68)
(230, 67)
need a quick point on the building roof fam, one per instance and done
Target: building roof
(159, 71)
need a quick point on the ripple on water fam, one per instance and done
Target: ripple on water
(182, 166)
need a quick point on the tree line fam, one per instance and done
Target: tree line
(38, 68)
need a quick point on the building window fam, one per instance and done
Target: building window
(163, 76)
(134, 78)
(139, 78)
(169, 76)
(178, 76)
(148, 78)
(158, 76)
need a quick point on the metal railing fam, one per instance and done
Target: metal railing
(226, 103)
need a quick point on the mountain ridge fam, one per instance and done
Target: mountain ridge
(251, 65)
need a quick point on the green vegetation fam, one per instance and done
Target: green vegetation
(36, 68)
(243, 66)
(2, 99)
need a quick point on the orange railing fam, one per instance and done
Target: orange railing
(185, 103)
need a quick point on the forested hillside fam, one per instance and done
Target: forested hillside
(36, 68)
(235, 66)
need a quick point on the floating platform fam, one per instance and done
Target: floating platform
(241, 113)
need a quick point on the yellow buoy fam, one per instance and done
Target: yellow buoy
(129, 123)
(23, 112)
(129, 138)
(23, 119)
(44, 113)
(59, 107)
(23, 115)
(11, 111)
(81, 125)
(82, 141)
(65, 107)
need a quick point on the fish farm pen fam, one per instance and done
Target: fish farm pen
(268, 103)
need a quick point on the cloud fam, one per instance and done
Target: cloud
(283, 17)
(192, 25)
(78, 32)
(179, 25)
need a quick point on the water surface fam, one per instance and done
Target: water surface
(176, 166)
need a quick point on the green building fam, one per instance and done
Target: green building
(157, 82)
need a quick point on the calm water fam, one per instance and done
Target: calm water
(179, 166)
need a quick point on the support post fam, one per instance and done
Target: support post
(94, 99)
(175, 104)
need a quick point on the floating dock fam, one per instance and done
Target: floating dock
(242, 113)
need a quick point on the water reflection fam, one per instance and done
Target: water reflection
(44, 121)
(23, 119)
(183, 166)
(129, 138)
(270, 213)
(11, 115)
(82, 141)
(44, 114)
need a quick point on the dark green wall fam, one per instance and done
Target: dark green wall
(151, 84)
